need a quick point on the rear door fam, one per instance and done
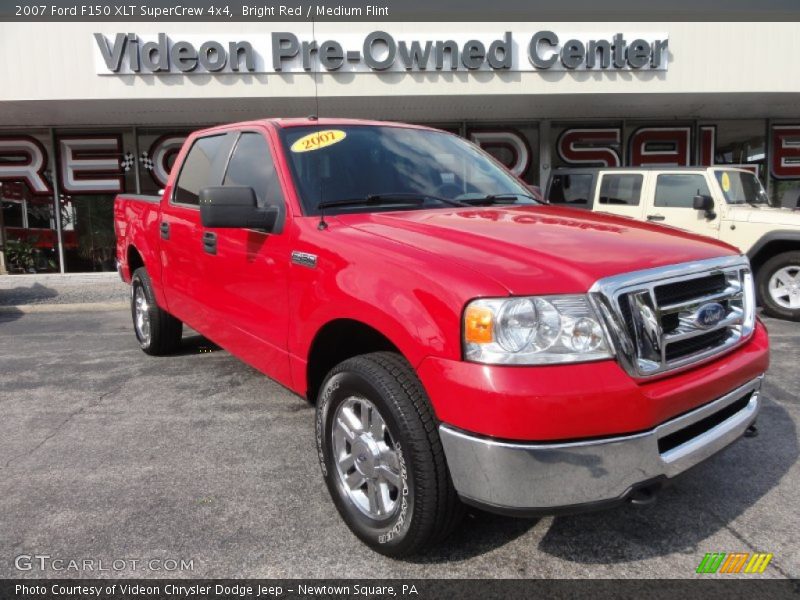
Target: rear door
(181, 233)
(671, 201)
(620, 193)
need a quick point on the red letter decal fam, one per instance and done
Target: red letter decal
(708, 145)
(590, 147)
(23, 158)
(510, 141)
(91, 164)
(785, 152)
(662, 146)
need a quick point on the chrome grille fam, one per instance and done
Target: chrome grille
(669, 318)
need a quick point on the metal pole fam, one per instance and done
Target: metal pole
(545, 154)
(2, 235)
(57, 202)
(767, 163)
(136, 160)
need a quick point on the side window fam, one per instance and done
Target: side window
(251, 165)
(678, 190)
(621, 189)
(573, 189)
(202, 167)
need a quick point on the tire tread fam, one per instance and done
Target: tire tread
(165, 330)
(762, 283)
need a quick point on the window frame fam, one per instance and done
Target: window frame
(174, 191)
(701, 174)
(278, 228)
(602, 175)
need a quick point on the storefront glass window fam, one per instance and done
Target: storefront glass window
(93, 166)
(28, 237)
(515, 146)
(739, 142)
(158, 149)
(784, 164)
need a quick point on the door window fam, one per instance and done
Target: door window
(678, 190)
(251, 165)
(621, 189)
(202, 167)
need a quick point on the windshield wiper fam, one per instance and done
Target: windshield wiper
(496, 199)
(379, 199)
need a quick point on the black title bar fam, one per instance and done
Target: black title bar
(398, 10)
(390, 589)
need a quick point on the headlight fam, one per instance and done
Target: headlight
(536, 330)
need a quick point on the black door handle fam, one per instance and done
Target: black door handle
(164, 230)
(655, 217)
(209, 242)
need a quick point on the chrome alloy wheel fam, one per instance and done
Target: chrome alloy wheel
(366, 459)
(784, 287)
(141, 314)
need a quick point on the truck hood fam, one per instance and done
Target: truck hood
(769, 215)
(539, 249)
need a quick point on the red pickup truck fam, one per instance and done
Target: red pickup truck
(462, 341)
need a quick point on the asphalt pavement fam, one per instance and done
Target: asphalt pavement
(41, 291)
(108, 454)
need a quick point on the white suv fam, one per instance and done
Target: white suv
(725, 203)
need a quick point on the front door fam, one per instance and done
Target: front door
(248, 269)
(672, 202)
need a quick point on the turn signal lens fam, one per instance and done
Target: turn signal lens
(478, 325)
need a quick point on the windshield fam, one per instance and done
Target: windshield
(357, 168)
(740, 187)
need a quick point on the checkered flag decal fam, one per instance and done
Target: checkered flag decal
(146, 161)
(127, 161)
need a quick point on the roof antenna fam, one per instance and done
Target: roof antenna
(315, 116)
(322, 225)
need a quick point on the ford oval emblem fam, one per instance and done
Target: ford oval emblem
(709, 315)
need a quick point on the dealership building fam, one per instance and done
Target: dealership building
(92, 109)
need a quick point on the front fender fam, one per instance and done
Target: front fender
(412, 297)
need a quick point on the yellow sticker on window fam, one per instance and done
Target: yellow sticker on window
(726, 183)
(318, 139)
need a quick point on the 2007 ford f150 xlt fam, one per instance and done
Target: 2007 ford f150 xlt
(462, 342)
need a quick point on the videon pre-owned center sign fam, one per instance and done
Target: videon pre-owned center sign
(379, 51)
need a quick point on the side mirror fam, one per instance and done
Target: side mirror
(235, 206)
(704, 203)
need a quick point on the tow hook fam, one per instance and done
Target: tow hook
(644, 496)
(751, 431)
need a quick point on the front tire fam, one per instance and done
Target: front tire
(381, 456)
(779, 286)
(157, 331)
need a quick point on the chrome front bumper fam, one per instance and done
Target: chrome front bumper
(520, 477)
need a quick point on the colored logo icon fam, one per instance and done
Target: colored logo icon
(734, 562)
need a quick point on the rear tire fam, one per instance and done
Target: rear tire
(778, 283)
(381, 456)
(157, 331)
